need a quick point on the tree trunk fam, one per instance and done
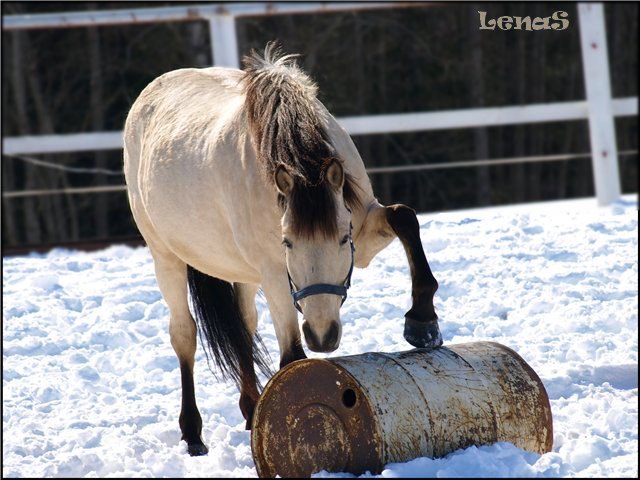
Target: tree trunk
(197, 33)
(50, 208)
(97, 124)
(362, 92)
(480, 135)
(572, 82)
(383, 151)
(519, 177)
(9, 228)
(33, 232)
(538, 88)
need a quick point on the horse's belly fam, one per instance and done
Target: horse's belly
(205, 240)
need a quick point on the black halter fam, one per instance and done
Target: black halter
(318, 288)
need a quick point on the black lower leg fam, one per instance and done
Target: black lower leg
(421, 321)
(249, 394)
(295, 352)
(190, 419)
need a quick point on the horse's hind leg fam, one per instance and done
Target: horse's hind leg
(245, 296)
(171, 274)
(379, 228)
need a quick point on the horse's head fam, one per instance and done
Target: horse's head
(319, 252)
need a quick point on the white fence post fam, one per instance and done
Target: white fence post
(224, 44)
(595, 61)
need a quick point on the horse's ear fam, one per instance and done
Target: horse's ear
(284, 181)
(335, 174)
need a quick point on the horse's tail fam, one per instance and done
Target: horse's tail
(222, 330)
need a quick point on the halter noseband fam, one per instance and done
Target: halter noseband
(318, 288)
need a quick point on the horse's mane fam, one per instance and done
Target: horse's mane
(287, 128)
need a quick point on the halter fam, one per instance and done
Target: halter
(318, 288)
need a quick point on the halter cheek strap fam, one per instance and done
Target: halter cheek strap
(319, 288)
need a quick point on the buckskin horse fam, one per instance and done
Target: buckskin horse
(241, 180)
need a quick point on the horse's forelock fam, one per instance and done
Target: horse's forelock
(313, 208)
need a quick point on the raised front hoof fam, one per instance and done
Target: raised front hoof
(197, 449)
(422, 334)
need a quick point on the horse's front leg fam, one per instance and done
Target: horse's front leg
(380, 226)
(284, 315)
(421, 322)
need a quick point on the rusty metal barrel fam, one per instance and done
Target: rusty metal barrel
(358, 413)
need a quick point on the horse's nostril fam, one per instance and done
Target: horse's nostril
(328, 343)
(310, 337)
(308, 333)
(332, 336)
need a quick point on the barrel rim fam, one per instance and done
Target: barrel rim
(262, 466)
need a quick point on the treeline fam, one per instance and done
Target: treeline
(420, 58)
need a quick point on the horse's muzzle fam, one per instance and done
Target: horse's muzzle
(322, 344)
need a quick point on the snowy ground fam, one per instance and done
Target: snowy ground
(91, 386)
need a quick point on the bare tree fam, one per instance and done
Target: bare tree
(476, 90)
(96, 107)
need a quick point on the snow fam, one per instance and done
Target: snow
(91, 385)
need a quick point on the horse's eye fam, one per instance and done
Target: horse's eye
(286, 243)
(344, 240)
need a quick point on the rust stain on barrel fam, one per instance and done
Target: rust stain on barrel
(304, 420)
(358, 413)
(538, 399)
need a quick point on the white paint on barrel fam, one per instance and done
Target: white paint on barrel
(377, 408)
(427, 405)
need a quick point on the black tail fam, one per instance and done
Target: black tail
(220, 322)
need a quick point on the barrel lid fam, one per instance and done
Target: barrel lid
(313, 416)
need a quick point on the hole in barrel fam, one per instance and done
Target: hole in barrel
(349, 398)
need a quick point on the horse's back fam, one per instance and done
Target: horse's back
(181, 103)
(187, 97)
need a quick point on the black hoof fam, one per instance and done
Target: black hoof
(197, 449)
(422, 334)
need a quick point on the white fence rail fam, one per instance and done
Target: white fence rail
(187, 13)
(362, 125)
(599, 108)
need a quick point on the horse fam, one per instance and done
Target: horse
(241, 181)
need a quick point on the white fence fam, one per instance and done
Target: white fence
(599, 107)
